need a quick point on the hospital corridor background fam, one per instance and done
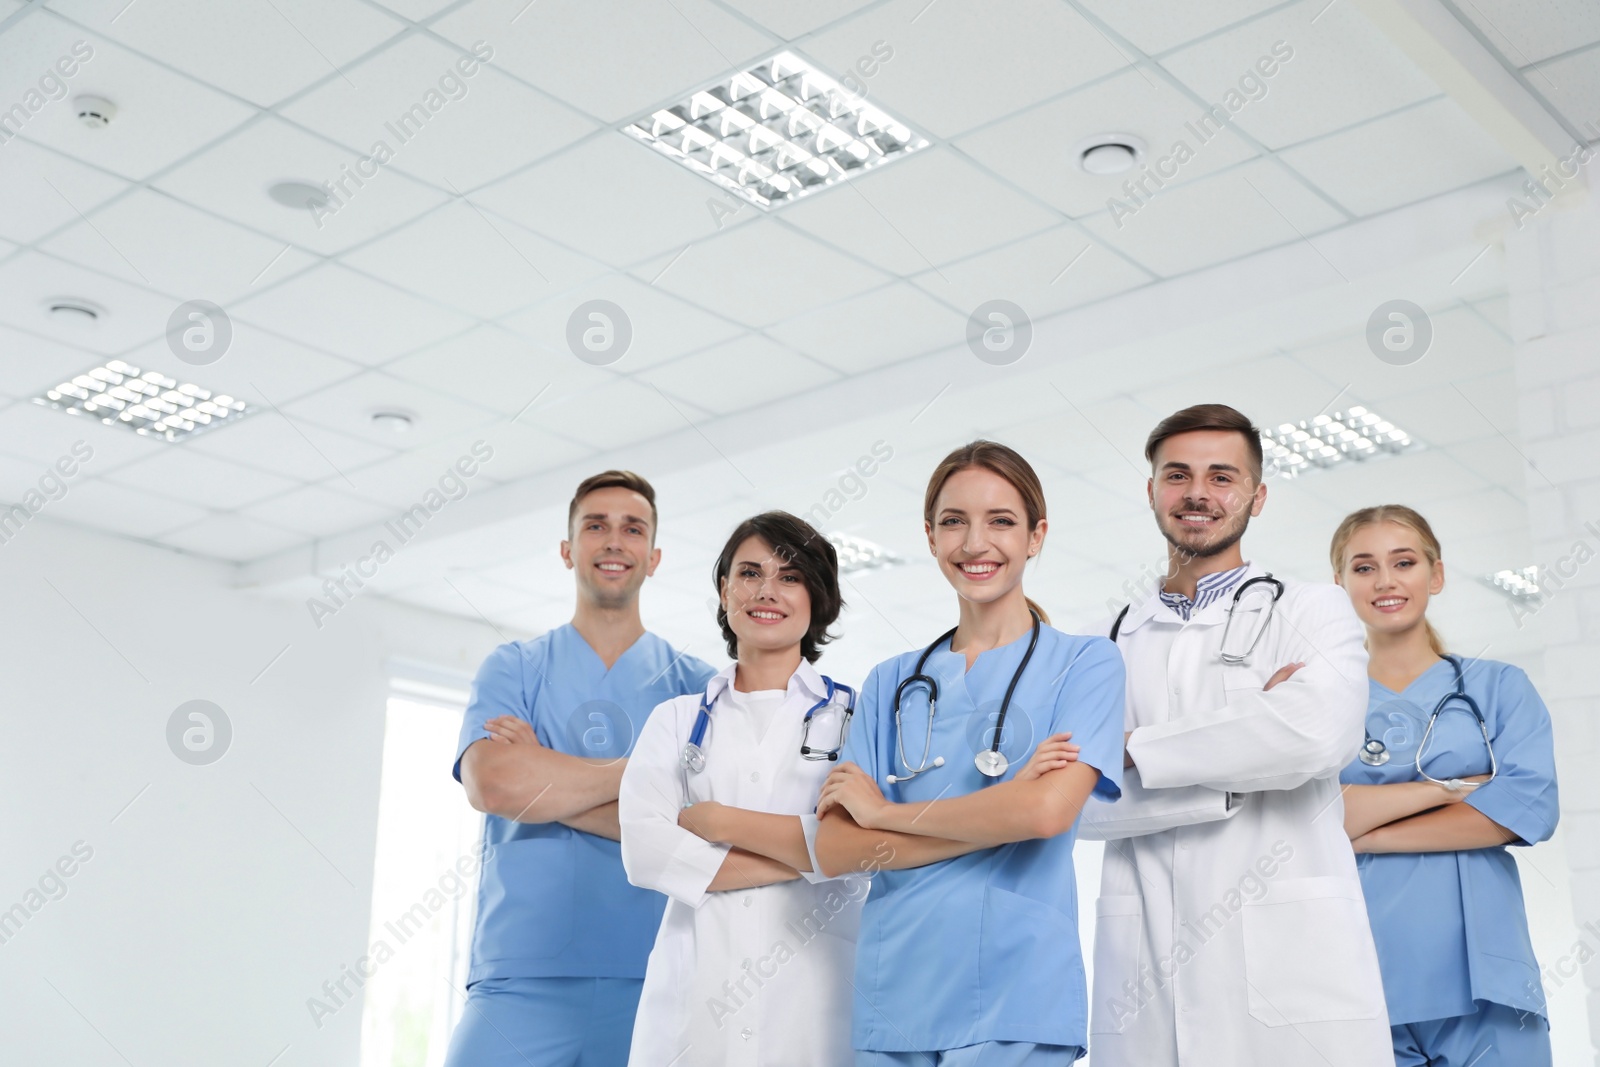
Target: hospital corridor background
(314, 313)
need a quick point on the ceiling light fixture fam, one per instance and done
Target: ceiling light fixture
(393, 420)
(1109, 153)
(1292, 448)
(147, 402)
(1518, 585)
(856, 554)
(74, 309)
(776, 131)
(298, 195)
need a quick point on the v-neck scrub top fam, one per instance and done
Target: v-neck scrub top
(1450, 927)
(553, 901)
(983, 947)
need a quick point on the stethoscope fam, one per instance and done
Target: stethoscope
(1235, 659)
(991, 762)
(1374, 753)
(694, 753)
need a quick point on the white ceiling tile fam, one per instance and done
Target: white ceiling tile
(1464, 348)
(43, 435)
(402, 481)
(920, 212)
(473, 261)
(468, 595)
(183, 474)
(1269, 391)
(231, 537)
(663, 326)
(462, 142)
(44, 191)
(340, 311)
(317, 510)
(617, 200)
(669, 48)
(960, 65)
(1401, 158)
(19, 476)
(292, 447)
(28, 281)
(1055, 270)
(292, 43)
(259, 367)
(416, 10)
(161, 116)
(149, 238)
(747, 372)
(790, 20)
(614, 415)
(119, 510)
(521, 451)
(1527, 31)
(1038, 148)
(496, 370)
(734, 274)
(883, 326)
(348, 407)
(1416, 478)
(1155, 26)
(1343, 70)
(30, 364)
(1497, 310)
(233, 177)
(1572, 84)
(1254, 206)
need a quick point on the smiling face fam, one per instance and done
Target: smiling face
(1389, 577)
(980, 535)
(768, 604)
(612, 547)
(1204, 490)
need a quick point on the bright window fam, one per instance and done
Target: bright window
(422, 903)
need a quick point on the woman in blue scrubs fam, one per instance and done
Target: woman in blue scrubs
(1442, 892)
(968, 950)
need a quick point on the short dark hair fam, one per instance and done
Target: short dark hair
(1206, 417)
(613, 480)
(798, 544)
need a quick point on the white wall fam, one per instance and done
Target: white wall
(221, 898)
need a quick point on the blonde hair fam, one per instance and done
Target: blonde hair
(1400, 515)
(1008, 464)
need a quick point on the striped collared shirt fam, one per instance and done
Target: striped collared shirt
(1206, 589)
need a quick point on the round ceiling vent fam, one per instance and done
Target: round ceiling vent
(95, 112)
(298, 195)
(393, 420)
(1109, 153)
(74, 309)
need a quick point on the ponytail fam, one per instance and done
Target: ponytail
(1044, 616)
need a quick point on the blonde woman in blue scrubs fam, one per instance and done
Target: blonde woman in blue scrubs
(968, 953)
(1442, 892)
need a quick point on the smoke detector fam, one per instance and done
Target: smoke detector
(96, 112)
(393, 420)
(1109, 153)
(298, 195)
(75, 310)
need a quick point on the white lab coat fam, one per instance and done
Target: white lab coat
(755, 977)
(1231, 928)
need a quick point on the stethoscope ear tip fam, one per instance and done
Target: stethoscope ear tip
(938, 761)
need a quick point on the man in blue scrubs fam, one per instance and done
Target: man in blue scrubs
(558, 955)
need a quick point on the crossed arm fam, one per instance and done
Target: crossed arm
(1418, 817)
(510, 774)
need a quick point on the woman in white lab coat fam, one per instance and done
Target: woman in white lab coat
(751, 965)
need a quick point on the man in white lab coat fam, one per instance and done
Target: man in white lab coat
(1231, 928)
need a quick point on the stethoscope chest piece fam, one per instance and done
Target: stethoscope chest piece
(694, 757)
(1374, 753)
(991, 763)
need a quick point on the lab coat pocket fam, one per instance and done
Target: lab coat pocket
(1118, 933)
(1308, 955)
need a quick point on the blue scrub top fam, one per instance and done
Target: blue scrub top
(983, 947)
(554, 901)
(1450, 927)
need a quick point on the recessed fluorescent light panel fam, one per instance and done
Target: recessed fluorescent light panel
(776, 132)
(856, 554)
(1519, 585)
(146, 402)
(1328, 440)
